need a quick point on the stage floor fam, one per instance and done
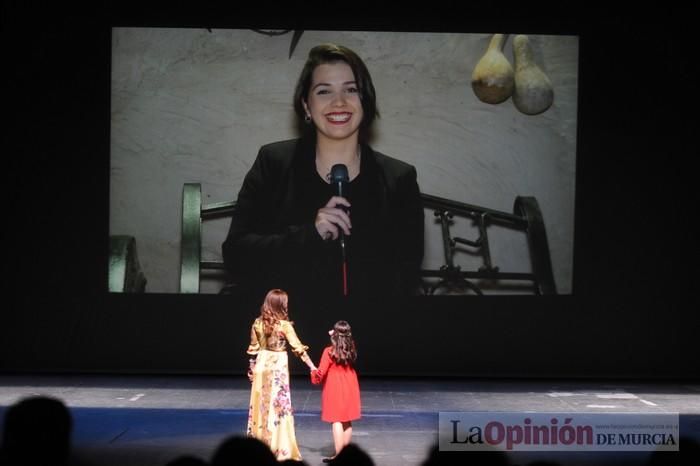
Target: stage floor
(149, 420)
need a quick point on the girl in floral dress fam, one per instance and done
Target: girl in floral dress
(270, 415)
(340, 398)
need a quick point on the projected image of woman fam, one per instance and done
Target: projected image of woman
(270, 415)
(289, 219)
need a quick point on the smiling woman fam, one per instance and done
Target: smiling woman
(192, 108)
(288, 218)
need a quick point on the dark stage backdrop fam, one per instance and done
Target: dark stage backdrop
(632, 313)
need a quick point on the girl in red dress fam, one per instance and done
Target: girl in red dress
(340, 398)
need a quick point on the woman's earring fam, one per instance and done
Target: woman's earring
(307, 118)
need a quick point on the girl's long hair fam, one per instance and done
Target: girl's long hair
(343, 351)
(274, 309)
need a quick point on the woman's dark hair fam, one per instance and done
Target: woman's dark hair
(343, 351)
(332, 53)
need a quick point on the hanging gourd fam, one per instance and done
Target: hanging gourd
(533, 92)
(492, 78)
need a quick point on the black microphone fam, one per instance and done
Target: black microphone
(340, 181)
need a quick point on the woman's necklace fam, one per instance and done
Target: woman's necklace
(355, 162)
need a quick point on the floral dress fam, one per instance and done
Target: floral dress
(270, 414)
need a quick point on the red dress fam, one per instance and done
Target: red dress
(340, 398)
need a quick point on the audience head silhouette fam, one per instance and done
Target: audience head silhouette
(37, 430)
(477, 458)
(186, 460)
(352, 455)
(243, 450)
(688, 454)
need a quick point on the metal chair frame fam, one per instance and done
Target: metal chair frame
(526, 217)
